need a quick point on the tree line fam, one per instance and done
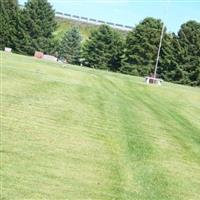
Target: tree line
(32, 28)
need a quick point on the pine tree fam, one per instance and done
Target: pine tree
(117, 51)
(70, 46)
(189, 41)
(37, 26)
(8, 23)
(168, 67)
(142, 46)
(103, 49)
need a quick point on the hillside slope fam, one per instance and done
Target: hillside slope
(85, 28)
(74, 133)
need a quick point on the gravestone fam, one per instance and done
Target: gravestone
(7, 49)
(50, 58)
(39, 54)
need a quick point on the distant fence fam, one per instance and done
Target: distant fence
(90, 20)
(93, 21)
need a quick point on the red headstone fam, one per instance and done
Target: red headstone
(39, 54)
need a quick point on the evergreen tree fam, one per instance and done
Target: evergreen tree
(70, 46)
(37, 25)
(142, 46)
(189, 41)
(8, 23)
(103, 49)
(117, 51)
(180, 56)
(168, 67)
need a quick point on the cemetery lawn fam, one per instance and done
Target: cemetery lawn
(69, 132)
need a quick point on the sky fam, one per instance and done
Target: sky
(130, 12)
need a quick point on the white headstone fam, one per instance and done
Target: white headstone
(9, 50)
(49, 57)
(152, 80)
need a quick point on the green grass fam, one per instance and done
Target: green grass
(85, 28)
(75, 133)
(65, 24)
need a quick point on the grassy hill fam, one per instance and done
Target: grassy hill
(85, 28)
(74, 133)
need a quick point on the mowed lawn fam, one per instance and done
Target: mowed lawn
(76, 133)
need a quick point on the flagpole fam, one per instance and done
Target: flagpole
(159, 48)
